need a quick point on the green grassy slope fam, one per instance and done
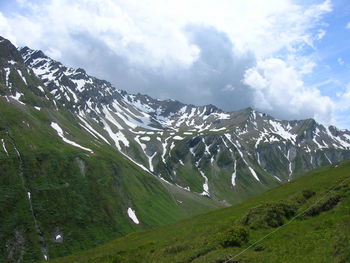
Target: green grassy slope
(84, 196)
(321, 234)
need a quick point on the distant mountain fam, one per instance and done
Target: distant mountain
(107, 157)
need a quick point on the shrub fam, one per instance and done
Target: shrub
(307, 194)
(324, 206)
(268, 215)
(234, 237)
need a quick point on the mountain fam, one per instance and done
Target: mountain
(62, 187)
(225, 156)
(84, 162)
(306, 220)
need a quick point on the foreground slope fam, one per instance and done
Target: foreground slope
(321, 232)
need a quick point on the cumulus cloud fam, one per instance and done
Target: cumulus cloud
(279, 88)
(196, 51)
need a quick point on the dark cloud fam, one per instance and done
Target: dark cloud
(215, 77)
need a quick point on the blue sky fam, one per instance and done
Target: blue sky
(289, 58)
(333, 52)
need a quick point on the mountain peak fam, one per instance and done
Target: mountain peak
(8, 52)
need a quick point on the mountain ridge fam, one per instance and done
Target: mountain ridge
(134, 117)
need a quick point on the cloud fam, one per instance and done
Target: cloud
(347, 25)
(279, 88)
(340, 61)
(6, 29)
(196, 51)
(344, 99)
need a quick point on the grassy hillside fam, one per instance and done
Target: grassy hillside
(81, 196)
(321, 232)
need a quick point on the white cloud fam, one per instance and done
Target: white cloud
(340, 61)
(321, 33)
(153, 35)
(6, 30)
(153, 30)
(348, 25)
(279, 89)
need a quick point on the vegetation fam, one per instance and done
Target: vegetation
(236, 236)
(268, 215)
(83, 196)
(219, 235)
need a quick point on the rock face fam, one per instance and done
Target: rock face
(197, 156)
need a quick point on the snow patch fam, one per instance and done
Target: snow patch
(41, 89)
(116, 137)
(23, 78)
(17, 97)
(4, 146)
(233, 177)
(132, 215)
(205, 185)
(59, 131)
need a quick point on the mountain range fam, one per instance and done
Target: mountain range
(83, 162)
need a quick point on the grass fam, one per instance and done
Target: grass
(88, 206)
(323, 236)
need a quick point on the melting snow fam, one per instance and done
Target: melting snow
(164, 149)
(218, 129)
(228, 136)
(23, 78)
(17, 97)
(164, 180)
(80, 84)
(150, 158)
(59, 131)
(187, 188)
(289, 166)
(278, 128)
(178, 138)
(206, 147)
(7, 71)
(91, 130)
(205, 185)
(222, 116)
(277, 178)
(327, 158)
(233, 178)
(41, 89)
(253, 173)
(37, 108)
(132, 215)
(116, 137)
(3, 146)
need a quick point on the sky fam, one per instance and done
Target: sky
(287, 58)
